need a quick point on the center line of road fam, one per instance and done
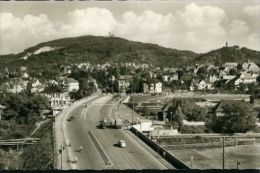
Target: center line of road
(99, 149)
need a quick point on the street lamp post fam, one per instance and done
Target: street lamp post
(191, 161)
(238, 163)
(60, 151)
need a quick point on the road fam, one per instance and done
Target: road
(208, 97)
(99, 145)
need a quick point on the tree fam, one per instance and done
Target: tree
(179, 117)
(24, 108)
(9, 114)
(145, 111)
(238, 118)
(197, 114)
(190, 110)
(233, 71)
(258, 80)
(202, 72)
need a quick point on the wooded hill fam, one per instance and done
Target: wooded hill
(95, 49)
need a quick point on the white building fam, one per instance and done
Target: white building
(124, 83)
(246, 78)
(71, 85)
(16, 85)
(250, 67)
(231, 65)
(58, 100)
(213, 78)
(169, 78)
(156, 87)
(144, 126)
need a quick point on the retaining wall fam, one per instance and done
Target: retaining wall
(161, 151)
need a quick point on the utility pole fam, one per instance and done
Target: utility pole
(132, 89)
(132, 102)
(171, 117)
(119, 89)
(223, 159)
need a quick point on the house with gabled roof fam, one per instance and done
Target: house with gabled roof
(162, 115)
(218, 110)
(201, 84)
(250, 67)
(58, 98)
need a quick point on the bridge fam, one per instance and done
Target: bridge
(17, 142)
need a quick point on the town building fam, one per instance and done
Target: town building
(213, 78)
(244, 78)
(71, 85)
(124, 83)
(250, 67)
(57, 100)
(200, 84)
(36, 86)
(146, 89)
(15, 85)
(156, 87)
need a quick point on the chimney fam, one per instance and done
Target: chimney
(226, 44)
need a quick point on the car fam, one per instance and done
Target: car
(122, 144)
(75, 160)
(68, 142)
(70, 118)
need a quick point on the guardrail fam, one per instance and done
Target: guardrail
(212, 135)
(160, 150)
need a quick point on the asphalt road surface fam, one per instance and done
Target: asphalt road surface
(99, 145)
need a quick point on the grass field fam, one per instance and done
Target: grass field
(248, 156)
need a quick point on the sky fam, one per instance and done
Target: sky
(198, 25)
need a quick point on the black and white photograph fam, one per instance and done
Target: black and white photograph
(130, 85)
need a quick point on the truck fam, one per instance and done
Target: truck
(103, 123)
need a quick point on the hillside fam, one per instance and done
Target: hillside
(99, 50)
(229, 54)
(113, 49)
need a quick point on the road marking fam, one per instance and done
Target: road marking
(100, 150)
(83, 113)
